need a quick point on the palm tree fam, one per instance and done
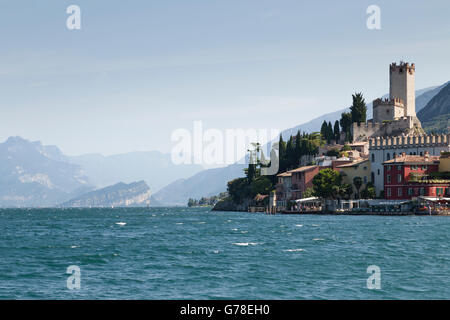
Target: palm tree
(357, 181)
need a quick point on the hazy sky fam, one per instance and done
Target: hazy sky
(137, 70)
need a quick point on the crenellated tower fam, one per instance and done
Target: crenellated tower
(402, 86)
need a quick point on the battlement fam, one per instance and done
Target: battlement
(388, 102)
(442, 140)
(403, 66)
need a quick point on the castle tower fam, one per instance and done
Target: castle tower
(402, 86)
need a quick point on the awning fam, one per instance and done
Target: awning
(307, 199)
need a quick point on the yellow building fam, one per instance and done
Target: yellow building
(444, 162)
(358, 168)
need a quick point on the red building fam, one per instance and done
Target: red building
(302, 179)
(408, 176)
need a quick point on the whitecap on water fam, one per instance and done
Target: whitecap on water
(245, 244)
(179, 223)
(293, 250)
(299, 225)
(234, 229)
(121, 223)
(318, 239)
(73, 247)
(244, 231)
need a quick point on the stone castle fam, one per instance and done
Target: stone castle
(396, 115)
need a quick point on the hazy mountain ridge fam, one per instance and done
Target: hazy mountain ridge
(203, 184)
(135, 194)
(35, 175)
(435, 116)
(154, 167)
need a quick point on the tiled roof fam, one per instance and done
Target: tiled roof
(353, 164)
(413, 159)
(284, 174)
(302, 169)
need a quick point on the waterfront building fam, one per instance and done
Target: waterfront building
(385, 149)
(409, 176)
(302, 179)
(359, 168)
(283, 188)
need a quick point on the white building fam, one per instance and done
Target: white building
(384, 149)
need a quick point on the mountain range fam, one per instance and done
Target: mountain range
(435, 117)
(136, 194)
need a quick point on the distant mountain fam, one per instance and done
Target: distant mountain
(136, 194)
(155, 168)
(203, 184)
(212, 182)
(436, 114)
(34, 175)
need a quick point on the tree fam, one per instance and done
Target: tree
(330, 135)
(324, 130)
(332, 153)
(298, 147)
(282, 154)
(326, 183)
(336, 131)
(357, 181)
(346, 124)
(261, 185)
(290, 154)
(369, 192)
(238, 189)
(358, 108)
(309, 192)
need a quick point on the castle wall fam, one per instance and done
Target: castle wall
(364, 131)
(383, 149)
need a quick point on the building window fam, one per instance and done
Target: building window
(389, 168)
(393, 155)
(372, 176)
(410, 191)
(421, 153)
(422, 191)
(378, 171)
(424, 167)
(388, 178)
(400, 192)
(365, 179)
(399, 178)
(388, 156)
(388, 192)
(373, 157)
(399, 168)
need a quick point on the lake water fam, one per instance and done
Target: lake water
(193, 253)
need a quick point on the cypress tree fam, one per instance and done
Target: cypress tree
(336, 131)
(358, 108)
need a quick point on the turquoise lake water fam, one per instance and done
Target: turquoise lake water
(182, 253)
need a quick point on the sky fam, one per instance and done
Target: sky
(138, 70)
